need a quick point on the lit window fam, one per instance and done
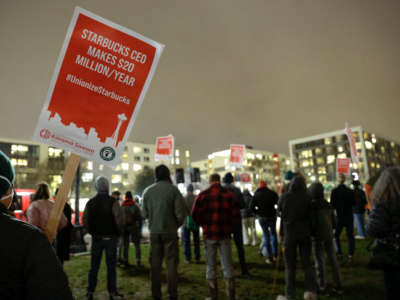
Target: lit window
(116, 178)
(187, 153)
(250, 156)
(321, 170)
(177, 152)
(101, 167)
(137, 149)
(125, 155)
(340, 149)
(313, 178)
(368, 145)
(172, 161)
(136, 167)
(19, 149)
(358, 146)
(90, 165)
(328, 141)
(305, 163)
(57, 179)
(320, 161)
(287, 162)
(373, 140)
(342, 155)
(125, 166)
(331, 159)
(177, 160)
(259, 155)
(87, 177)
(372, 164)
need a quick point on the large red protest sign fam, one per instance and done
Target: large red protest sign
(101, 78)
(164, 147)
(237, 155)
(343, 166)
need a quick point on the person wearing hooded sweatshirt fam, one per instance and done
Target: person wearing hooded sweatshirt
(295, 210)
(166, 210)
(131, 219)
(322, 242)
(29, 268)
(101, 218)
(237, 228)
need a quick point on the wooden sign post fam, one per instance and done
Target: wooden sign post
(62, 195)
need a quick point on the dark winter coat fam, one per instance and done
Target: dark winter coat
(238, 195)
(246, 212)
(264, 202)
(383, 223)
(360, 201)
(29, 268)
(324, 218)
(294, 208)
(131, 217)
(63, 241)
(342, 200)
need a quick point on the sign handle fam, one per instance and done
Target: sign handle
(61, 197)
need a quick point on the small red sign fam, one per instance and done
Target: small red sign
(343, 165)
(237, 155)
(164, 147)
(245, 178)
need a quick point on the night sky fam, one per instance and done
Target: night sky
(249, 72)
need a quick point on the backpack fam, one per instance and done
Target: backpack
(127, 216)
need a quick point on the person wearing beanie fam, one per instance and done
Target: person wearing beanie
(263, 205)
(101, 218)
(29, 268)
(131, 220)
(164, 207)
(288, 177)
(186, 231)
(237, 228)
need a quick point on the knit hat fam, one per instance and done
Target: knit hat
(7, 173)
(101, 184)
(289, 175)
(228, 178)
(262, 184)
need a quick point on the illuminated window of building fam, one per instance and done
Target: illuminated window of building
(342, 155)
(187, 153)
(87, 176)
(320, 161)
(318, 151)
(259, 155)
(19, 149)
(90, 165)
(136, 167)
(330, 159)
(136, 149)
(124, 155)
(118, 167)
(306, 154)
(172, 161)
(287, 162)
(177, 152)
(373, 140)
(372, 164)
(177, 160)
(392, 144)
(328, 141)
(378, 166)
(313, 178)
(340, 148)
(383, 148)
(250, 155)
(55, 152)
(125, 166)
(101, 167)
(358, 145)
(116, 178)
(19, 162)
(368, 145)
(321, 170)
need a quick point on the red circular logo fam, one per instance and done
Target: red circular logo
(45, 134)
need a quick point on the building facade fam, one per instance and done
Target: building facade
(258, 164)
(316, 156)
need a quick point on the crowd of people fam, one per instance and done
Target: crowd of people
(310, 227)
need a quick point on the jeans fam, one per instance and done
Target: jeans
(360, 224)
(164, 245)
(238, 238)
(225, 251)
(290, 254)
(109, 245)
(127, 237)
(186, 243)
(268, 226)
(320, 249)
(249, 223)
(350, 236)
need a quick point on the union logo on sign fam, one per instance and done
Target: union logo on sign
(45, 134)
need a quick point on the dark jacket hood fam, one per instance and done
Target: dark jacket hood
(316, 190)
(297, 184)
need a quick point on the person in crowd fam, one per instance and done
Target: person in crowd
(360, 202)
(322, 238)
(131, 219)
(117, 196)
(237, 228)
(120, 243)
(165, 208)
(217, 211)
(186, 231)
(264, 205)
(101, 218)
(384, 221)
(342, 199)
(39, 210)
(63, 240)
(29, 268)
(248, 218)
(295, 210)
(288, 177)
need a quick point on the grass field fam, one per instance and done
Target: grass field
(359, 282)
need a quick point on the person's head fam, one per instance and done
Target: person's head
(386, 190)
(289, 176)
(215, 178)
(316, 190)
(262, 184)
(228, 178)
(128, 195)
(297, 184)
(356, 184)
(115, 194)
(101, 185)
(190, 188)
(7, 176)
(162, 173)
(341, 178)
(42, 192)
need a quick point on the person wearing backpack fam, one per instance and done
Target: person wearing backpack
(131, 219)
(322, 238)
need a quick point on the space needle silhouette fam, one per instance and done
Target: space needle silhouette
(121, 119)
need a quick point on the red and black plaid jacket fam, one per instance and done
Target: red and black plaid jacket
(216, 210)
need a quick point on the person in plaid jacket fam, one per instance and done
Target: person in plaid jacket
(216, 210)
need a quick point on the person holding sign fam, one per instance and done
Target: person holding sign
(29, 268)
